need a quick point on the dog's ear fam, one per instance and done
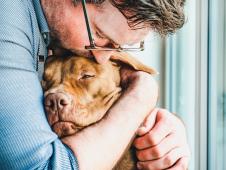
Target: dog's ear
(52, 71)
(128, 59)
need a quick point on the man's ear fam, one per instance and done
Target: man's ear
(128, 59)
(52, 71)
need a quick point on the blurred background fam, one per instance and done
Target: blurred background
(192, 79)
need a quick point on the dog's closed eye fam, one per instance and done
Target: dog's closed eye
(85, 76)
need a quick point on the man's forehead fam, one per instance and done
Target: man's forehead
(114, 24)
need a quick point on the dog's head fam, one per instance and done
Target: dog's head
(78, 91)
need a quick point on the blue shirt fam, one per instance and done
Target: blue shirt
(26, 139)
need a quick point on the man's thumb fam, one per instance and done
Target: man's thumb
(148, 123)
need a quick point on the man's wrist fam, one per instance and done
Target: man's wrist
(143, 87)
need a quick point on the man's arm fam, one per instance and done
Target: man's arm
(101, 145)
(27, 141)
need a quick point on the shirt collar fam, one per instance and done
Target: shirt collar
(43, 25)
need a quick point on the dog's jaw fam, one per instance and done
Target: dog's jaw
(68, 113)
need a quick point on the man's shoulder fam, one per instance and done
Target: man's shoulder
(15, 12)
(19, 31)
(12, 5)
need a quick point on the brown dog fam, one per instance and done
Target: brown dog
(78, 92)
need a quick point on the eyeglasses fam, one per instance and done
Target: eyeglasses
(94, 47)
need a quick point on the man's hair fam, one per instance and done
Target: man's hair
(163, 16)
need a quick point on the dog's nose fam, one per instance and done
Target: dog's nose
(57, 105)
(57, 101)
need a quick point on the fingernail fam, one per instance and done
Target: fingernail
(141, 130)
(139, 166)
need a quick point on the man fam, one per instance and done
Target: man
(27, 142)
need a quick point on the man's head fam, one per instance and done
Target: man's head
(113, 22)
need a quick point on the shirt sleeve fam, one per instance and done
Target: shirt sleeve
(26, 139)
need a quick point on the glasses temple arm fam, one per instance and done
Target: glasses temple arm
(87, 23)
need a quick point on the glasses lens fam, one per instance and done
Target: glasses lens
(135, 46)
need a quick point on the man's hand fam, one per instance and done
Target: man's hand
(162, 142)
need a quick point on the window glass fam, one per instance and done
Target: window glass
(217, 86)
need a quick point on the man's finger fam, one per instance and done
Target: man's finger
(148, 123)
(165, 162)
(182, 164)
(153, 137)
(158, 151)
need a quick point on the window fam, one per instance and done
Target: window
(217, 86)
(192, 66)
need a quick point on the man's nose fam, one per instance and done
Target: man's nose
(102, 56)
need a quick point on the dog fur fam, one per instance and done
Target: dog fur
(79, 92)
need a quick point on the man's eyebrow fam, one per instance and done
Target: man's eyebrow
(102, 33)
